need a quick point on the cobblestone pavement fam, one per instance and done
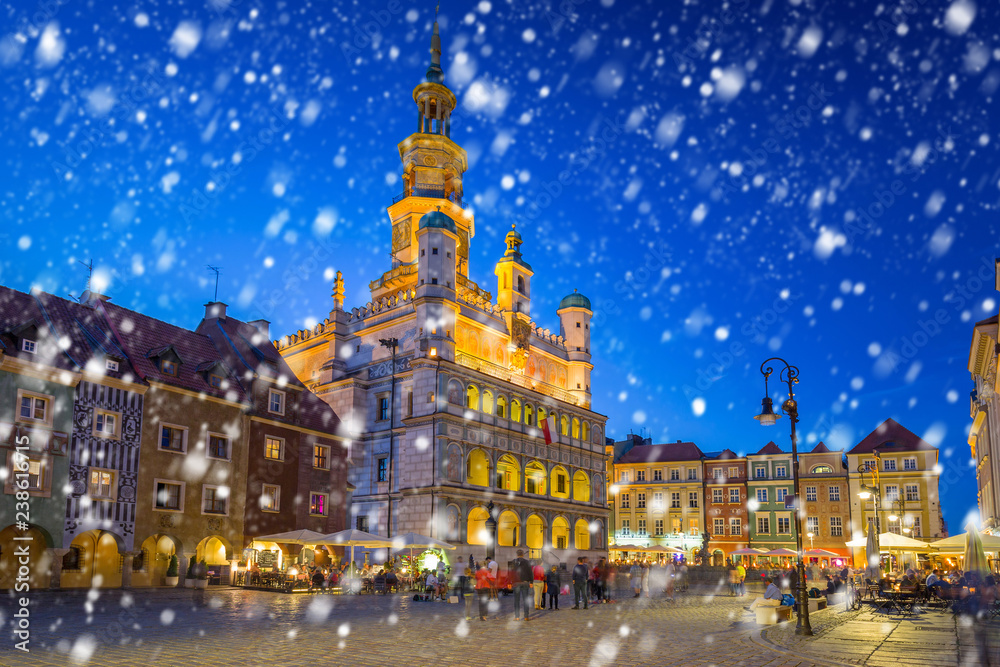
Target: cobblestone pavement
(866, 637)
(230, 626)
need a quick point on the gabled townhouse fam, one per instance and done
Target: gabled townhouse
(772, 522)
(726, 504)
(823, 478)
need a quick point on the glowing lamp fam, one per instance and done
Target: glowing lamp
(767, 416)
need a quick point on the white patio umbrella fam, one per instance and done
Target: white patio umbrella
(355, 538)
(873, 569)
(956, 543)
(303, 536)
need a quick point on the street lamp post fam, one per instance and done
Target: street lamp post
(790, 376)
(491, 530)
(874, 489)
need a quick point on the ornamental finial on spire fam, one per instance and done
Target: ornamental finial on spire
(434, 73)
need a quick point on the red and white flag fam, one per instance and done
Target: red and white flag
(548, 428)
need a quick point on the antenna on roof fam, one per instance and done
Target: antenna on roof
(90, 270)
(217, 271)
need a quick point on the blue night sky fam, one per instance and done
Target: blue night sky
(713, 162)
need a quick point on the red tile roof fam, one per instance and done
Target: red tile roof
(770, 448)
(671, 451)
(142, 335)
(891, 436)
(820, 448)
(18, 309)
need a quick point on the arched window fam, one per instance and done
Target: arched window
(560, 533)
(508, 473)
(585, 431)
(582, 535)
(501, 407)
(534, 478)
(455, 392)
(821, 469)
(564, 425)
(576, 428)
(508, 528)
(487, 402)
(520, 284)
(534, 532)
(477, 469)
(472, 397)
(476, 527)
(581, 487)
(528, 414)
(541, 416)
(560, 483)
(515, 410)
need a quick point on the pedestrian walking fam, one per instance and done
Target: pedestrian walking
(552, 584)
(483, 590)
(733, 579)
(522, 577)
(494, 571)
(646, 573)
(538, 583)
(581, 577)
(635, 575)
(741, 575)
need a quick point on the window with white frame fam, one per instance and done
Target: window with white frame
(173, 438)
(916, 527)
(111, 365)
(274, 448)
(640, 475)
(718, 496)
(276, 401)
(836, 526)
(321, 457)
(625, 500)
(734, 494)
(692, 473)
(810, 493)
(693, 499)
(719, 526)
(270, 497)
(623, 477)
(657, 475)
(168, 496)
(889, 465)
(657, 500)
(625, 527)
(812, 525)
(675, 500)
(29, 346)
(214, 499)
(734, 472)
(763, 525)
(784, 525)
(675, 474)
(317, 504)
(780, 495)
(912, 492)
(910, 464)
(760, 472)
(106, 423)
(640, 500)
(891, 493)
(694, 528)
(761, 495)
(781, 471)
(218, 446)
(641, 526)
(870, 464)
(735, 526)
(102, 485)
(33, 407)
(717, 473)
(657, 527)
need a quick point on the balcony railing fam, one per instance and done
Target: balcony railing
(501, 373)
(431, 193)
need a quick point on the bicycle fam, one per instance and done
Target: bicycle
(852, 596)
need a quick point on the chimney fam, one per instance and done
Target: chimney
(215, 310)
(262, 326)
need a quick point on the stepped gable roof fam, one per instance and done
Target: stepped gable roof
(671, 451)
(770, 448)
(891, 436)
(145, 337)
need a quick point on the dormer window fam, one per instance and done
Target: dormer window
(29, 346)
(276, 401)
(111, 365)
(215, 381)
(168, 367)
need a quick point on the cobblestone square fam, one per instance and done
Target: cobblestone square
(232, 626)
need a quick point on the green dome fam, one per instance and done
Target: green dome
(575, 300)
(437, 220)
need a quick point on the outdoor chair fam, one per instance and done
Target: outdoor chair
(378, 585)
